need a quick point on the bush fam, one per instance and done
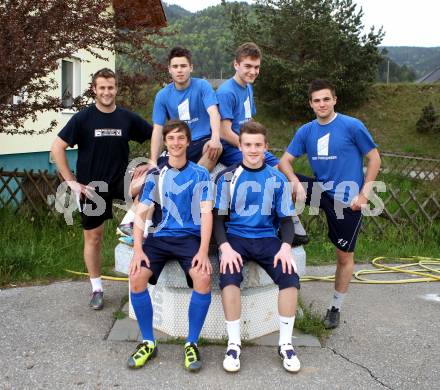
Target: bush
(428, 121)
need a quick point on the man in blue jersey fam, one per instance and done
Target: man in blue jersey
(194, 101)
(253, 207)
(101, 131)
(181, 192)
(236, 106)
(236, 103)
(335, 145)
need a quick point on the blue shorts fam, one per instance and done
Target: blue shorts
(262, 251)
(159, 250)
(342, 232)
(194, 152)
(232, 155)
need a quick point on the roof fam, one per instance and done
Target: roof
(139, 13)
(433, 77)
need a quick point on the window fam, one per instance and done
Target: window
(70, 81)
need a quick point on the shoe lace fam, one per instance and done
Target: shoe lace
(192, 353)
(288, 351)
(143, 349)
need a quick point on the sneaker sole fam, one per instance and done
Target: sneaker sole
(121, 233)
(233, 369)
(194, 369)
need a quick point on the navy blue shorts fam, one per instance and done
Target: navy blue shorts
(342, 232)
(262, 251)
(94, 211)
(232, 155)
(159, 250)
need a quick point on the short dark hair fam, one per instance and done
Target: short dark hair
(179, 51)
(107, 73)
(247, 49)
(320, 84)
(174, 124)
(253, 127)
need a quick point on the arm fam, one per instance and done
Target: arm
(142, 211)
(156, 143)
(214, 145)
(285, 166)
(201, 260)
(58, 152)
(227, 133)
(373, 166)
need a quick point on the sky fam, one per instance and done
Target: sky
(405, 22)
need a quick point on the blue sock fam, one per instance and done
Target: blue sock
(197, 311)
(143, 309)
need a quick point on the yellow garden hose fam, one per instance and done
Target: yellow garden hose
(422, 269)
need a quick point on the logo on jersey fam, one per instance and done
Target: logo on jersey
(247, 109)
(322, 145)
(183, 109)
(108, 133)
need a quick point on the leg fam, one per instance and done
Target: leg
(92, 250)
(141, 301)
(344, 270)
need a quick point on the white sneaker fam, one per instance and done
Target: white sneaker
(290, 360)
(231, 362)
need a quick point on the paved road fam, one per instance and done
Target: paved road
(389, 339)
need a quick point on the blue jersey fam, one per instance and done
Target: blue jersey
(236, 103)
(189, 105)
(178, 193)
(255, 200)
(335, 152)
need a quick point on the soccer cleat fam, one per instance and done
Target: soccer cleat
(126, 240)
(332, 317)
(231, 362)
(125, 229)
(144, 352)
(290, 361)
(97, 301)
(192, 357)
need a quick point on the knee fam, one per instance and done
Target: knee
(201, 282)
(138, 282)
(346, 258)
(93, 238)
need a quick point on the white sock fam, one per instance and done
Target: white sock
(96, 284)
(128, 217)
(337, 300)
(286, 330)
(233, 329)
(148, 223)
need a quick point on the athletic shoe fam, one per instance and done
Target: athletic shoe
(97, 301)
(299, 240)
(125, 229)
(231, 362)
(143, 353)
(290, 361)
(192, 357)
(332, 317)
(300, 237)
(126, 240)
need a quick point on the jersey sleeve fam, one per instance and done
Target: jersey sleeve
(226, 105)
(140, 130)
(362, 137)
(208, 95)
(159, 109)
(70, 132)
(297, 146)
(283, 200)
(149, 194)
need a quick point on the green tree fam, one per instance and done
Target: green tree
(428, 120)
(306, 39)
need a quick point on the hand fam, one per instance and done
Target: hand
(287, 261)
(201, 263)
(80, 189)
(136, 260)
(229, 258)
(140, 170)
(213, 146)
(298, 192)
(359, 202)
